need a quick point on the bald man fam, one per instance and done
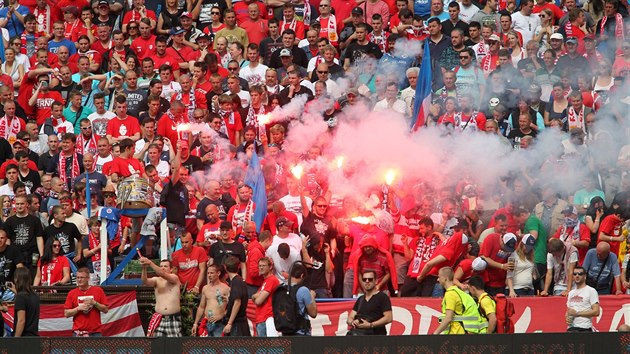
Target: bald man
(598, 278)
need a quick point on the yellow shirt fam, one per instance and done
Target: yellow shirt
(487, 304)
(452, 301)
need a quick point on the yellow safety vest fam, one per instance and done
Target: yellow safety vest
(470, 317)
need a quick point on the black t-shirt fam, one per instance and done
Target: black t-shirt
(373, 309)
(9, 258)
(134, 101)
(223, 204)
(177, 202)
(29, 303)
(22, 232)
(54, 165)
(219, 254)
(316, 228)
(516, 135)
(67, 234)
(238, 290)
(316, 278)
(32, 180)
(193, 163)
(356, 52)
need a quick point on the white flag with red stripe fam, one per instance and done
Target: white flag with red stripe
(122, 320)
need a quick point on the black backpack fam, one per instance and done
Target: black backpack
(286, 311)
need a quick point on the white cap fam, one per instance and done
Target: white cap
(479, 264)
(557, 36)
(464, 239)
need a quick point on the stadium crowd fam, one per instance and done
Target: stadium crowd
(180, 99)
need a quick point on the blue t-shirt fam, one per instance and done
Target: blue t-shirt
(304, 299)
(14, 26)
(593, 265)
(53, 46)
(422, 7)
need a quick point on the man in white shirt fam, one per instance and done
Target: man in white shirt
(296, 202)
(254, 72)
(582, 304)
(524, 21)
(467, 10)
(101, 117)
(391, 102)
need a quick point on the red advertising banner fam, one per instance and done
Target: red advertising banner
(420, 315)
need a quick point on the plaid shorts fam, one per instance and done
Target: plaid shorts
(170, 326)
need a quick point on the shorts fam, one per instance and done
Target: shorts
(170, 326)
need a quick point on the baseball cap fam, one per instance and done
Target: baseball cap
(357, 11)
(529, 241)
(494, 37)
(177, 30)
(71, 9)
(103, 3)
(285, 53)
(570, 210)
(571, 40)
(479, 264)
(204, 36)
(225, 225)
(281, 221)
(186, 14)
(19, 141)
(509, 242)
(464, 239)
(557, 36)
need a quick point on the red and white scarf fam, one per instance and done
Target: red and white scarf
(86, 145)
(9, 130)
(154, 323)
(70, 29)
(24, 40)
(191, 104)
(569, 237)
(43, 20)
(576, 120)
(481, 48)
(292, 25)
(252, 115)
(380, 41)
(618, 26)
(486, 64)
(62, 167)
(239, 218)
(568, 29)
(331, 28)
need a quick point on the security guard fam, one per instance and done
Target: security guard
(459, 310)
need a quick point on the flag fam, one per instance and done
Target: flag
(255, 179)
(423, 90)
(122, 320)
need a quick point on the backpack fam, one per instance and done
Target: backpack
(504, 313)
(286, 310)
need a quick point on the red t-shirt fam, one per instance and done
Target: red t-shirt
(44, 103)
(168, 128)
(93, 55)
(188, 265)
(53, 60)
(233, 126)
(264, 311)
(512, 224)
(452, 249)
(203, 88)
(297, 26)
(256, 31)
(144, 47)
(98, 46)
(491, 248)
(124, 128)
(90, 321)
(135, 15)
(52, 272)
(242, 11)
(125, 167)
(611, 226)
(170, 57)
(208, 232)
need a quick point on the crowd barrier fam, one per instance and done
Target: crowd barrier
(560, 343)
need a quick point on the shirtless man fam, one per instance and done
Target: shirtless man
(167, 320)
(214, 299)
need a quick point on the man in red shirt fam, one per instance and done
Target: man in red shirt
(256, 27)
(495, 250)
(425, 247)
(139, 13)
(610, 230)
(255, 252)
(162, 56)
(171, 121)
(262, 299)
(43, 98)
(190, 262)
(85, 304)
(201, 85)
(125, 165)
(124, 125)
(144, 45)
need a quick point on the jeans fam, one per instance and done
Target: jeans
(348, 282)
(524, 292)
(261, 329)
(215, 329)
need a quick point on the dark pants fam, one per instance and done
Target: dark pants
(539, 284)
(411, 287)
(240, 328)
(579, 329)
(524, 292)
(492, 291)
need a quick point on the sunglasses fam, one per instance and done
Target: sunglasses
(108, 195)
(56, 246)
(578, 273)
(367, 280)
(215, 13)
(464, 57)
(132, 27)
(323, 5)
(322, 72)
(322, 206)
(86, 128)
(232, 69)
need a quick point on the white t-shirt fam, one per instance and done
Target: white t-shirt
(100, 161)
(293, 240)
(170, 89)
(466, 13)
(582, 300)
(398, 106)
(253, 75)
(560, 271)
(526, 25)
(282, 265)
(6, 190)
(437, 220)
(39, 146)
(99, 122)
(245, 98)
(294, 205)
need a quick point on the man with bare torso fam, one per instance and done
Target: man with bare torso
(167, 320)
(214, 299)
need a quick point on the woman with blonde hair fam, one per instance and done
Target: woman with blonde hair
(520, 281)
(7, 208)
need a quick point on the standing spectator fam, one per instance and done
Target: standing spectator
(26, 310)
(212, 306)
(602, 269)
(582, 304)
(575, 233)
(495, 250)
(256, 251)
(520, 280)
(525, 22)
(85, 304)
(190, 262)
(167, 298)
(372, 311)
(26, 232)
(227, 246)
(10, 260)
(262, 299)
(425, 245)
(236, 315)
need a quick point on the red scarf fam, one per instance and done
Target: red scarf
(24, 41)
(240, 218)
(576, 120)
(62, 167)
(84, 146)
(43, 20)
(618, 26)
(70, 29)
(9, 130)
